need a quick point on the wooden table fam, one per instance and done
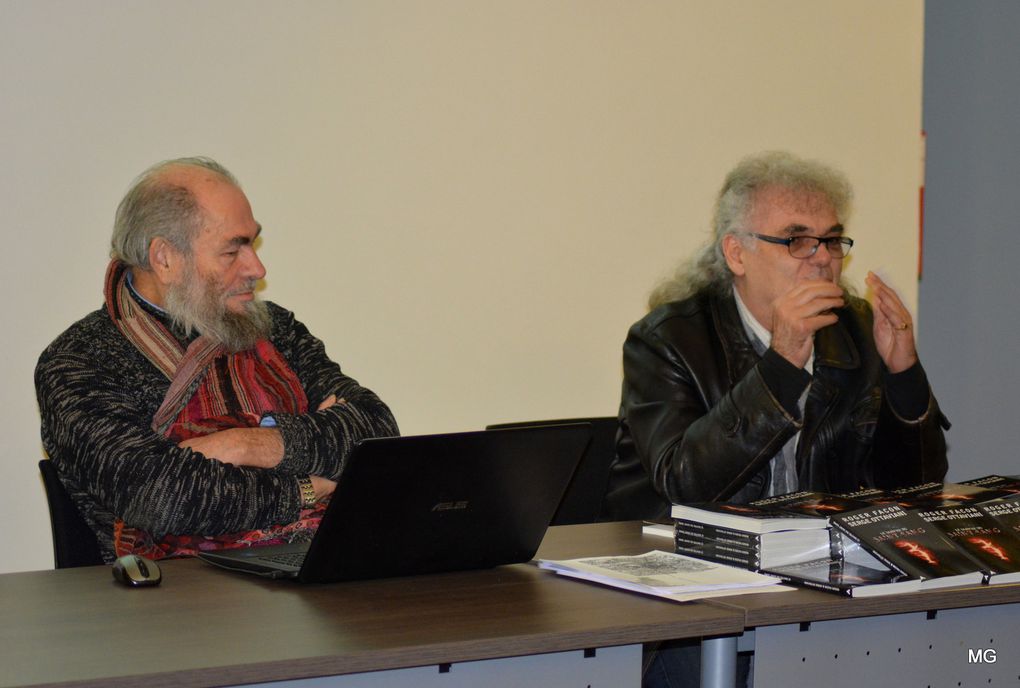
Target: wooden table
(208, 627)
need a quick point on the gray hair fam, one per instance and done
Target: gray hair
(154, 207)
(707, 270)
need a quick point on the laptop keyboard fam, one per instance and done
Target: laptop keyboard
(285, 558)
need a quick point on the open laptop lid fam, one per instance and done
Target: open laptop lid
(431, 503)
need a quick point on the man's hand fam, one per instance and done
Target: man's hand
(323, 487)
(801, 312)
(894, 331)
(258, 447)
(331, 400)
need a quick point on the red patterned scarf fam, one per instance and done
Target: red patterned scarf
(210, 390)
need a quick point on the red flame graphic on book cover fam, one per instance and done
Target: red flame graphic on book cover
(916, 549)
(738, 509)
(989, 546)
(951, 497)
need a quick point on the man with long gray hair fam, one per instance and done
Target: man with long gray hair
(756, 373)
(186, 414)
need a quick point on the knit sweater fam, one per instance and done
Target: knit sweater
(97, 396)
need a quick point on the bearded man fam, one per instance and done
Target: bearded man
(186, 414)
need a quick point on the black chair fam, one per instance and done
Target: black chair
(582, 502)
(74, 543)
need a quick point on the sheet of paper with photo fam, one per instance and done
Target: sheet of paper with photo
(664, 574)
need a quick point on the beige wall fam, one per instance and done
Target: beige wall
(468, 201)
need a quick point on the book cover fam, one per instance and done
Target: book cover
(820, 504)
(980, 536)
(907, 543)
(845, 578)
(1005, 512)
(947, 494)
(995, 482)
(875, 495)
(745, 517)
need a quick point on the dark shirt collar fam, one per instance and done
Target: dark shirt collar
(155, 311)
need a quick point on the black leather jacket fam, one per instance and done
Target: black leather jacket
(699, 423)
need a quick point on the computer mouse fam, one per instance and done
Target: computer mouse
(135, 571)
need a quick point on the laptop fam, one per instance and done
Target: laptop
(428, 504)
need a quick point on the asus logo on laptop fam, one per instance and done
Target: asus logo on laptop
(451, 506)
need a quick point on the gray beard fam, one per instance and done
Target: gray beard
(199, 306)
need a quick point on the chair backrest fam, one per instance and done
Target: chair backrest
(74, 543)
(582, 502)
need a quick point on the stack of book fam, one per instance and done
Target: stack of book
(840, 548)
(870, 542)
(749, 536)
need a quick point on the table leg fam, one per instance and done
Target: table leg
(719, 662)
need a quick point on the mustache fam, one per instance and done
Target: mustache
(248, 286)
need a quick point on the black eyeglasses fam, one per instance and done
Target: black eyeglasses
(803, 246)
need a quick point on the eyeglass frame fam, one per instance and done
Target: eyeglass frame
(843, 241)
